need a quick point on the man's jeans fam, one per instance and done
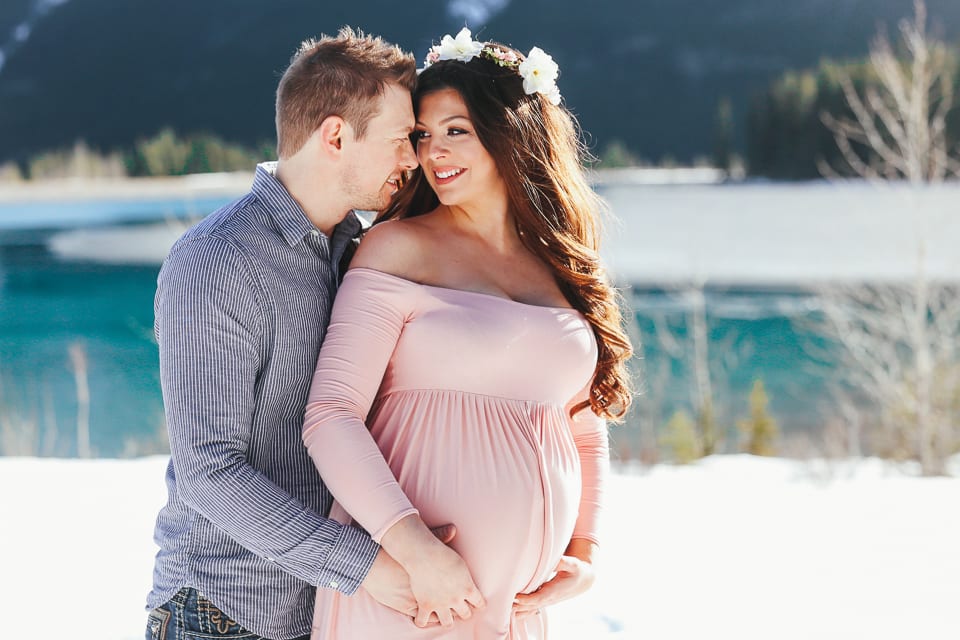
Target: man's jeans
(190, 616)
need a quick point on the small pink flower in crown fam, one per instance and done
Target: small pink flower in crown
(501, 57)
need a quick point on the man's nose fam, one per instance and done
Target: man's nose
(409, 160)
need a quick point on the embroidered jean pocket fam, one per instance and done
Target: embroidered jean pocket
(214, 623)
(157, 621)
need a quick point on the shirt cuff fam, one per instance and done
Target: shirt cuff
(349, 561)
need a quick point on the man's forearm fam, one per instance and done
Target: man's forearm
(272, 524)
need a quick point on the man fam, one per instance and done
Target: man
(243, 300)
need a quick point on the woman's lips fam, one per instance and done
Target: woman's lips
(447, 175)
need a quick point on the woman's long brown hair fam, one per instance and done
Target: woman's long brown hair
(537, 151)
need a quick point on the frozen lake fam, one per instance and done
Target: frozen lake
(781, 234)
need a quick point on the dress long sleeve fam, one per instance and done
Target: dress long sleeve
(590, 437)
(368, 317)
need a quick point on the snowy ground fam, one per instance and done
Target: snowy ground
(733, 547)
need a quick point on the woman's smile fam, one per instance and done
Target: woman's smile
(447, 175)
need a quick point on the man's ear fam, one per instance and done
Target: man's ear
(331, 133)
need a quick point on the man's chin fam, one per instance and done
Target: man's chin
(376, 203)
(387, 197)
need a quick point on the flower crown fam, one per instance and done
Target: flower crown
(538, 70)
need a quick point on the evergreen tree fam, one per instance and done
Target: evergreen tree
(760, 431)
(681, 438)
(723, 135)
(615, 155)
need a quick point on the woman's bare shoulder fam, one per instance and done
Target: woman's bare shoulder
(396, 247)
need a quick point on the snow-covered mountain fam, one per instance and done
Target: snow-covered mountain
(30, 13)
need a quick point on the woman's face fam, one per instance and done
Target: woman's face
(456, 165)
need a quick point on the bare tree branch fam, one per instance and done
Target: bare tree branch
(899, 341)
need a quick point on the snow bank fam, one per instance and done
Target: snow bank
(732, 547)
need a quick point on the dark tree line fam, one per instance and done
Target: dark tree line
(786, 135)
(164, 154)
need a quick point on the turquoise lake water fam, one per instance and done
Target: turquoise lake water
(48, 303)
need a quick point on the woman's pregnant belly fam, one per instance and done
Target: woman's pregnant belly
(505, 472)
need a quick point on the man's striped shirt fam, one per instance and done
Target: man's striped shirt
(242, 304)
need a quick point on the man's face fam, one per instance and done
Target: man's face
(373, 166)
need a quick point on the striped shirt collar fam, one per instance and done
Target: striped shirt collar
(287, 213)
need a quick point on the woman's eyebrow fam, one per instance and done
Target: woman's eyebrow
(445, 120)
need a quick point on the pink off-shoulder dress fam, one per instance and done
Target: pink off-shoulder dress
(456, 404)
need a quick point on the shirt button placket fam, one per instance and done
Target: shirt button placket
(322, 246)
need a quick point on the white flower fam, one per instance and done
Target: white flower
(539, 73)
(538, 70)
(463, 48)
(553, 95)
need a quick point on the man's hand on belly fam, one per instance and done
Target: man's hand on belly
(389, 584)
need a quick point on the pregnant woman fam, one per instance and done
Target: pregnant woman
(475, 352)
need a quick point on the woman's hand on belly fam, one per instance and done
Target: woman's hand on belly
(439, 578)
(388, 583)
(575, 574)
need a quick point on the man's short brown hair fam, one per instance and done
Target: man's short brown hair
(339, 76)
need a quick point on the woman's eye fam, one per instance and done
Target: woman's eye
(456, 132)
(418, 135)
